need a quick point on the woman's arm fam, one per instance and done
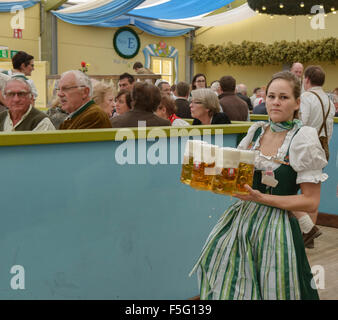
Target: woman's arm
(307, 201)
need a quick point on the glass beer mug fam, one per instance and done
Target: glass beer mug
(227, 163)
(245, 171)
(203, 169)
(188, 159)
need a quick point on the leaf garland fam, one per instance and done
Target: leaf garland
(258, 53)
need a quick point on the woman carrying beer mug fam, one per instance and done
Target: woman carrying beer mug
(256, 250)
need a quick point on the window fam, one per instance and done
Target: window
(164, 67)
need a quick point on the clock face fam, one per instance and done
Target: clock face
(126, 43)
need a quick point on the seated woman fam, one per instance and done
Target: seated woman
(205, 108)
(256, 250)
(122, 102)
(55, 113)
(167, 109)
(145, 99)
(103, 95)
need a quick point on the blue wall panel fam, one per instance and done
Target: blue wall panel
(84, 227)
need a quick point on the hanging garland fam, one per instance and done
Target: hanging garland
(257, 53)
(292, 7)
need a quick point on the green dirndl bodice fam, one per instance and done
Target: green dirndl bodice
(256, 251)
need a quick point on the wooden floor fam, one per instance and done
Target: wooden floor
(325, 254)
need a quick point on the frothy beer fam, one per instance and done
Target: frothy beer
(188, 159)
(227, 163)
(203, 169)
(245, 171)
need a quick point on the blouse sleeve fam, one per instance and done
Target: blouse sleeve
(307, 156)
(244, 144)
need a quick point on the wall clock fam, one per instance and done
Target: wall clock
(126, 43)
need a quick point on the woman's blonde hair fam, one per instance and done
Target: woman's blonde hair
(208, 98)
(100, 90)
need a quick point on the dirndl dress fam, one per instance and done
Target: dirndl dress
(255, 251)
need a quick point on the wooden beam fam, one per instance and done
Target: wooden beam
(53, 4)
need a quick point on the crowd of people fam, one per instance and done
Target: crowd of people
(144, 101)
(289, 145)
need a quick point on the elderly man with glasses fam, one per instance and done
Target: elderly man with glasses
(75, 94)
(21, 115)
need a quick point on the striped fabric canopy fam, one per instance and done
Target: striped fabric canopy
(165, 18)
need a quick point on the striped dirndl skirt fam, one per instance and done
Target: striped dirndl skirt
(249, 255)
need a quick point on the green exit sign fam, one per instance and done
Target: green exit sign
(4, 53)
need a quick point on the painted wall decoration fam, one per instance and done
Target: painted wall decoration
(126, 43)
(161, 49)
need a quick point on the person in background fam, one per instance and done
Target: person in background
(242, 92)
(173, 91)
(234, 107)
(21, 115)
(164, 87)
(205, 108)
(23, 65)
(75, 92)
(311, 114)
(261, 95)
(3, 79)
(103, 95)
(140, 69)
(297, 69)
(122, 103)
(145, 99)
(55, 113)
(335, 100)
(215, 86)
(167, 110)
(199, 81)
(260, 109)
(126, 81)
(182, 103)
(254, 95)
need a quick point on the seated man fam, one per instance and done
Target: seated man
(3, 79)
(21, 115)
(145, 98)
(75, 92)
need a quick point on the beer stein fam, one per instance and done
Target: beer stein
(203, 169)
(188, 157)
(245, 171)
(227, 163)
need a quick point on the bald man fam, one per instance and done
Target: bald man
(297, 69)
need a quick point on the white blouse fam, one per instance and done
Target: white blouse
(306, 154)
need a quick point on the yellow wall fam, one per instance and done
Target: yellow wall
(94, 45)
(39, 78)
(264, 29)
(30, 44)
(30, 35)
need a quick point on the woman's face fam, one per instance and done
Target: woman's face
(121, 105)
(197, 109)
(200, 82)
(280, 101)
(108, 103)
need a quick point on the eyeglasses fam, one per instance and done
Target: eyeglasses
(200, 81)
(21, 94)
(66, 89)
